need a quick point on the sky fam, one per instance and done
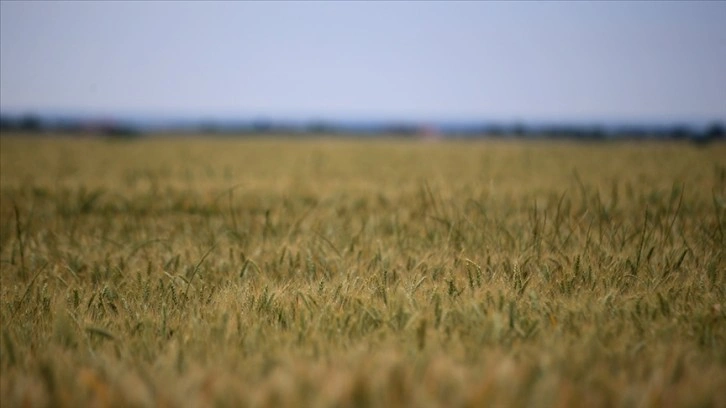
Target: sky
(551, 61)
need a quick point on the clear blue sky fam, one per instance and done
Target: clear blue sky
(406, 60)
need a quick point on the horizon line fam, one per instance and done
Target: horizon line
(201, 117)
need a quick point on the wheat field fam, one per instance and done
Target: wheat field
(196, 272)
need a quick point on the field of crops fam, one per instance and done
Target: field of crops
(333, 273)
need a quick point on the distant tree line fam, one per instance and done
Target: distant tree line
(711, 133)
(34, 124)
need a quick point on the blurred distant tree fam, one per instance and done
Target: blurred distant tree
(319, 127)
(30, 123)
(680, 133)
(519, 130)
(493, 130)
(209, 127)
(119, 131)
(402, 129)
(262, 126)
(8, 123)
(593, 133)
(714, 132)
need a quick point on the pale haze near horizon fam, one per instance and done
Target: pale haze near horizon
(406, 60)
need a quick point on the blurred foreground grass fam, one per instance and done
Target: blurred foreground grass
(198, 272)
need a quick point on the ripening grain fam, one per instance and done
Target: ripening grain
(206, 272)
